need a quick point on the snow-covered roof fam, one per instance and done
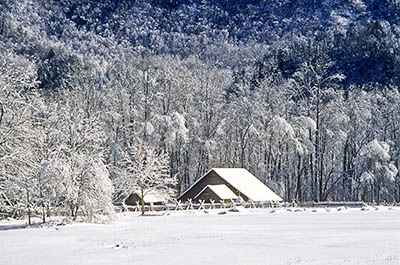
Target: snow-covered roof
(151, 196)
(220, 190)
(247, 184)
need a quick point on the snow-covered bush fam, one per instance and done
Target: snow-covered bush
(88, 188)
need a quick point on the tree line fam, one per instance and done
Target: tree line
(302, 136)
(83, 111)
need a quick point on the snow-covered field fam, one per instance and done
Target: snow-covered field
(257, 236)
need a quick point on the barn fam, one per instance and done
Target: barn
(150, 197)
(229, 183)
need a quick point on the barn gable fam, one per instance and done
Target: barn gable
(216, 193)
(210, 178)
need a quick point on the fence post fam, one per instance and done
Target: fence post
(178, 205)
(212, 205)
(190, 206)
(233, 203)
(201, 205)
(223, 205)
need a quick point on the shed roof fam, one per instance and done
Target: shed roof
(221, 190)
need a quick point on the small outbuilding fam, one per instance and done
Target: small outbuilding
(150, 197)
(229, 183)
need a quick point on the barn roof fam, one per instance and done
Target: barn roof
(244, 182)
(221, 190)
(247, 184)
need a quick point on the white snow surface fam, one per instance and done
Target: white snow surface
(247, 184)
(261, 236)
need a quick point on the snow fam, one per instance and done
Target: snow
(366, 177)
(282, 127)
(309, 123)
(380, 149)
(149, 128)
(359, 4)
(375, 157)
(247, 184)
(261, 236)
(180, 127)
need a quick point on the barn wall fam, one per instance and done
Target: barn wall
(210, 179)
(207, 195)
(132, 199)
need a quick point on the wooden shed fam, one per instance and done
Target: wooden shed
(239, 181)
(150, 197)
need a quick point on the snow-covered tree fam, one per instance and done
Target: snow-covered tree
(17, 99)
(147, 170)
(375, 168)
(313, 86)
(87, 187)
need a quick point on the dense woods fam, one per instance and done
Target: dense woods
(305, 94)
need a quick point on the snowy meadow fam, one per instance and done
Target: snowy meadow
(251, 236)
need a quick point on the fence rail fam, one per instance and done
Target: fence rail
(201, 205)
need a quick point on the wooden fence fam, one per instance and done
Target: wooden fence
(201, 205)
(198, 206)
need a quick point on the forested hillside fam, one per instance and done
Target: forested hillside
(305, 94)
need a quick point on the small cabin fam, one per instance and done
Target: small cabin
(150, 198)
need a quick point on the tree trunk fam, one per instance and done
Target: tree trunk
(29, 207)
(74, 209)
(321, 168)
(48, 210)
(43, 206)
(344, 172)
(142, 199)
(298, 190)
(43, 214)
(317, 151)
